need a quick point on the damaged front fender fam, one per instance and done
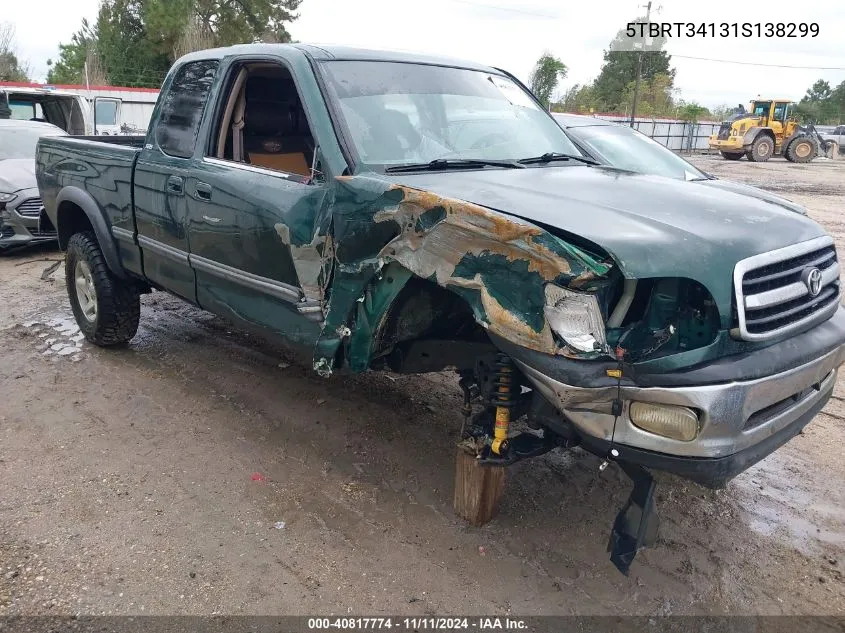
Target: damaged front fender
(498, 264)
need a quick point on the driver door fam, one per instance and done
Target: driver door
(254, 204)
(778, 120)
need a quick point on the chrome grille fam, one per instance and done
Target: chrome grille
(30, 208)
(786, 289)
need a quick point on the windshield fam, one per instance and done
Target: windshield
(399, 113)
(625, 148)
(19, 142)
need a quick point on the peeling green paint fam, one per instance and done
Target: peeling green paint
(372, 311)
(511, 283)
(497, 263)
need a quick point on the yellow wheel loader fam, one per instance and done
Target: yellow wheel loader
(767, 130)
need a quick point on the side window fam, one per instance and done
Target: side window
(22, 110)
(105, 111)
(181, 111)
(263, 123)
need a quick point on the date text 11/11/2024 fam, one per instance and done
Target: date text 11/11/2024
(418, 623)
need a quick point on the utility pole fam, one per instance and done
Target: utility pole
(639, 68)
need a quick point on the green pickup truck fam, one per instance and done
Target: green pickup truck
(387, 211)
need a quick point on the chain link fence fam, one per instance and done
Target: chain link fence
(677, 135)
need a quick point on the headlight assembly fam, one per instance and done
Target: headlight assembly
(7, 197)
(576, 318)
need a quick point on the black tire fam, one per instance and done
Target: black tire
(761, 149)
(802, 149)
(116, 305)
(732, 155)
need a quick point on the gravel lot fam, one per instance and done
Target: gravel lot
(153, 480)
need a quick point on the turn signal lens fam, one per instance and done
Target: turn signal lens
(677, 423)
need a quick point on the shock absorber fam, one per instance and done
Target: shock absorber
(503, 399)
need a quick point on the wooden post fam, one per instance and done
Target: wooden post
(478, 488)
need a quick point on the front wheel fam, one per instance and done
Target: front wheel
(761, 149)
(106, 309)
(802, 150)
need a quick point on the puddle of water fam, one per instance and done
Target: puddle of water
(58, 336)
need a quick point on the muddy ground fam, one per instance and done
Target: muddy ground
(151, 480)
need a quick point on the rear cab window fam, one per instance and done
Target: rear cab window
(183, 106)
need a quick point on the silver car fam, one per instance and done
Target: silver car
(624, 148)
(22, 217)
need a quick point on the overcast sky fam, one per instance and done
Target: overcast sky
(512, 34)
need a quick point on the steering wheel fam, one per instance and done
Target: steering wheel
(490, 140)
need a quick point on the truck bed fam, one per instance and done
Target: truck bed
(93, 173)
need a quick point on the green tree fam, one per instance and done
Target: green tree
(620, 68)
(70, 66)
(723, 112)
(548, 71)
(134, 42)
(822, 104)
(128, 50)
(221, 22)
(818, 92)
(656, 97)
(11, 67)
(693, 112)
(837, 104)
(578, 98)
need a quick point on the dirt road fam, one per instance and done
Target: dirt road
(199, 471)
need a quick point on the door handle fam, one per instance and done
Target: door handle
(210, 219)
(175, 184)
(203, 191)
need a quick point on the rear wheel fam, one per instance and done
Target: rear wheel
(106, 309)
(801, 150)
(761, 149)
(731, 155)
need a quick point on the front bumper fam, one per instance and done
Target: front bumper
(742, 418)
(730, 144)
(21, 223)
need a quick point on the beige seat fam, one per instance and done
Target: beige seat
(276, 136)
(294, 162)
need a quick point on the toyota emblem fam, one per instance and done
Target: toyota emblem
(813, 281)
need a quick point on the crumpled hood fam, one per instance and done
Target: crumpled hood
(16, 174)
(754, 192)
(651, 226)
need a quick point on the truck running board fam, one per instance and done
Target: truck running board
(635, 526)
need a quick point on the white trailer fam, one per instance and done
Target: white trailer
(80, 110)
